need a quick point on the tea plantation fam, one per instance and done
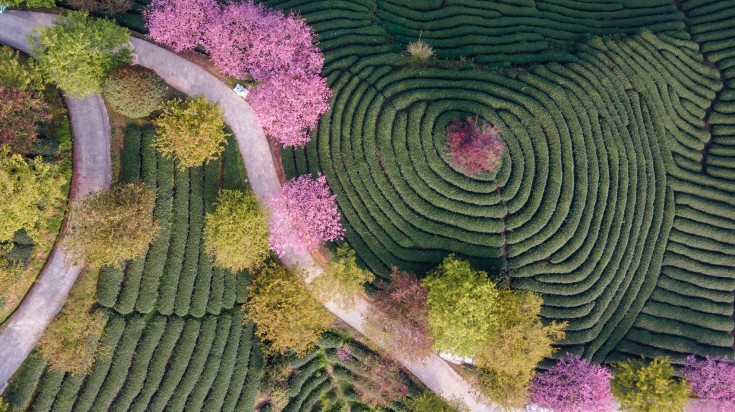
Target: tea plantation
(616, 200)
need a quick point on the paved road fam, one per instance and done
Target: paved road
(92, 171)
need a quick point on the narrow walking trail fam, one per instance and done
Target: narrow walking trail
(91, 161)
(92, 172)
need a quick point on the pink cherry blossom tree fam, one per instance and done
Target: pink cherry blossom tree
(180, 24)
(474, 148)
(573, 385)
(712, 379)
(304, 214)
(288, 107)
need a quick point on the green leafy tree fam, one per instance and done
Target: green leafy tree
(285, 314)
(431, 402)
(101, 6)
(70, 341)
(78, 53)
(29, 191)
(460, 303)
(236, 233)
(16, 74)
(342, 280)
(112, 225)
(517, 342)
(134, 91)
(31, 4)
(192, 131)
(652, 387)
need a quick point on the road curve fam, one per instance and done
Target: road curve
(92, 172)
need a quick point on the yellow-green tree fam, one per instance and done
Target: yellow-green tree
(517, 342)
(16, 74)
(460, 303)
(112, 225)
(286, 315)
(431, 402)
(652, 387)
(31, 4)
(236, 233)
(29, 191)
(78, 53)
(191, 131)
(342, 280)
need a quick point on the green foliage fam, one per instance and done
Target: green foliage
(343, 280)
(652, 387)
(70, 341)
(31, 4)
(78, 53)
(101, 6)
(191, 131)
(460, 303)
(431, 402)
(286, 315)
(134, 91)
(517, 343)
(112, 225)
(17, 74)
(236, 233)
(29, 191)
(4, 407)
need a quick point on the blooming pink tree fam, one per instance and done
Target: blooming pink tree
(712, 379)
(304, 214)
(474, 148)
(247, 39)
(180, 24)
(288, 107)
(573, 385)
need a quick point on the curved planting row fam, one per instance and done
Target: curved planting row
(176, 276)
(506, 31)
(691, 308)
(588, 207)
(154, 363)
(343, 374)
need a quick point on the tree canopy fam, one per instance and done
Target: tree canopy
(112, 225)
(236, 233)
(21, 112)
(343, 279)
(191, 131)
(78, 52)
(134, 91)
(652, 387)
(573, 384)
(17, 74)
(285, 314)
(29, 188)
(460, 303)
(31, 4)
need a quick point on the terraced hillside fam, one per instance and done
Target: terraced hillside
(174, 332)
(605, 203)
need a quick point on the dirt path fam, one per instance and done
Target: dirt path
(91, 130)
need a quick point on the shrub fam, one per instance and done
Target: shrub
(78, 53)
(649, 387)
(517, 342)
(401, 318)
(304, 214)
(288, 108)
(101, 6)
(419, 52)
(192, 131)
(460, 307)
(112, 225)
(286, 315)
(21, 112)
(4, 407)
(15, 74)
(30, 3)
(573, 384)
(236, 233)
(70, 341)
(29, 191)
(180, 24)
(342, 280)
(431, 402)
(711, 379)
(134, 91)
(474, 148)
